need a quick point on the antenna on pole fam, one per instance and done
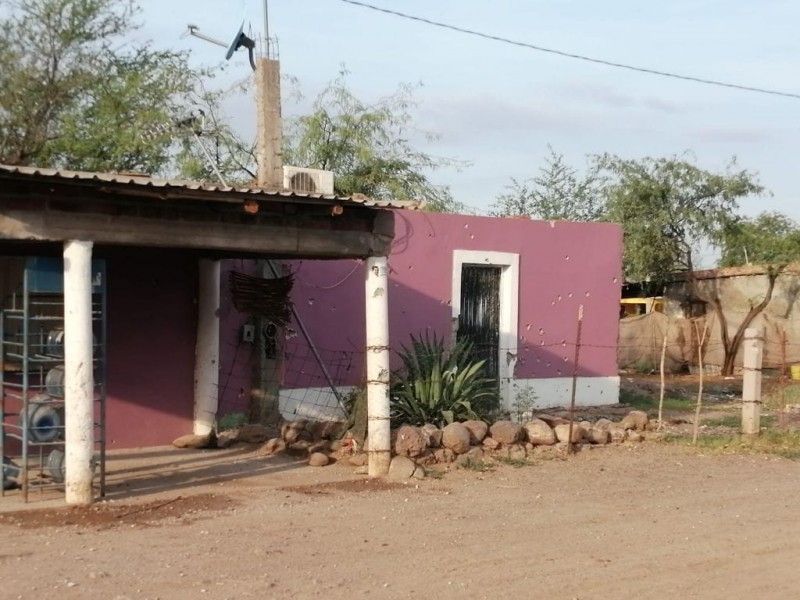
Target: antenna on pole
(240, 40)
(266, 19)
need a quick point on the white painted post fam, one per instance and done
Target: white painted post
(377, 304)
(206, 358)
(79, 372)
(751, 380)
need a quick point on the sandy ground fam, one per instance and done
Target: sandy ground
(642, 521)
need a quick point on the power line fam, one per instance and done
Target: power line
(598, 61)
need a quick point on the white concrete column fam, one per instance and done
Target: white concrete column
(78, 372)
(753, 348)
(206, 357)
(378, 426)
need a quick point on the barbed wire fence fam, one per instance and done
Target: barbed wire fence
(306, 391)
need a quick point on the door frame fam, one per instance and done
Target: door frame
(509, 309)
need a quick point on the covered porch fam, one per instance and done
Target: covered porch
(135, 224)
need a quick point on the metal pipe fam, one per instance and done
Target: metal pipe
(211, 163)
(195, 32)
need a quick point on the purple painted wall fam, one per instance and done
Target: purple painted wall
(152, 327)
(562, 265)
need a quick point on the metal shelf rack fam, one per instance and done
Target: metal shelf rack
(32, 378)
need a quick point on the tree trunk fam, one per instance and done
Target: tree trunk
(732, 347)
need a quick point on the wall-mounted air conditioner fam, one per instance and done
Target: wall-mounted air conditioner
(308, 181)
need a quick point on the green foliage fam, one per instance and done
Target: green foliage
(231, 421)
(437, 385)
(524, 402)
(471, 464)
(355, 404)
(75, 92)
(776, 442)
(366, 145)
(517, 463)
(769, 238)
(558, 193)
(644, 401)
(667, 208)
(434, 474)
(208, 148)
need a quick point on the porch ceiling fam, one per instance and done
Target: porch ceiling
(134, 210)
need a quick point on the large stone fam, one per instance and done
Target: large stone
(227, 438)
(252, 433)
(433, 433)
(598, 435)
(603, 423)
(192, 441)
(539, 433)
(410, 441)
(636, 420)
(419, 473)
(292, 430)
(456, 437)
(358, 460)
(552, 420)
(633, 436)
(616, 434)
(477, 431)
(444, 455)
(318, 459)
(475, 453)
(506, 432)
(517, 452)
(273, 446)
(425, 459)
(490, 443)
(562, 432)
(401, 468)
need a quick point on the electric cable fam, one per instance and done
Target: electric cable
(599, 61)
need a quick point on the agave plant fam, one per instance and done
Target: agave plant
(438, 386)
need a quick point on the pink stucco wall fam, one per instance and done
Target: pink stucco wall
(562, 265)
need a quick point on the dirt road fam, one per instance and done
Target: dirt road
(647, 521)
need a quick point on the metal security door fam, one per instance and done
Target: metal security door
(479, 320)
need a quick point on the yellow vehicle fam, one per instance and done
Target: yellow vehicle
(631, 307)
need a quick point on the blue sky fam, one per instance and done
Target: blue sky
(499, 106)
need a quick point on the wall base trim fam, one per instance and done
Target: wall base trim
(556, 392)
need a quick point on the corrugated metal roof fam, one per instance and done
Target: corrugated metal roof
(176, 185)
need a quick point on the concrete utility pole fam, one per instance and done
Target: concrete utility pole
(378, 424)
(751, 380)
(269, 152)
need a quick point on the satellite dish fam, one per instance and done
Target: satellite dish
(236, 43)
(241, 40)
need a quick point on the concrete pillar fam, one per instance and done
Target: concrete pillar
(753, 347)
(206, 357)
(378, 426)
(269, 143)
(78, 372)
